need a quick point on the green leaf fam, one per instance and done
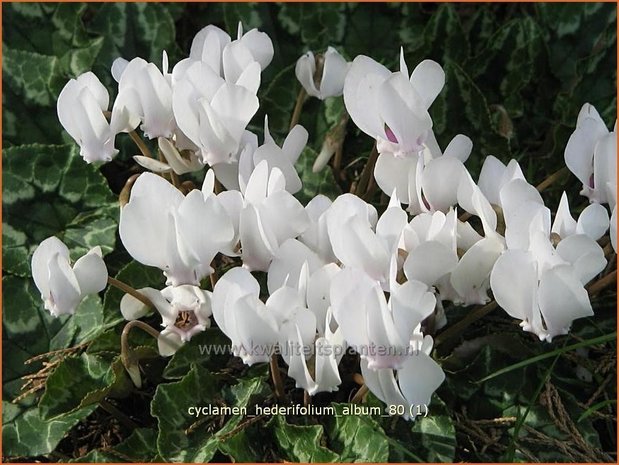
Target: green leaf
(140, 446)
(81, 381)
(434, 435)
(29, 330)
(219, 352)
(49, 190)
(135, 275)
(30, 74)
(301, 443)
(183, 437)
(28, 434)
(357, 438)
(322, 182)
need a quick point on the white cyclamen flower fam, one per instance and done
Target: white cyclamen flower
(63, 287)
(361, 240)
(426, 180)
(270, 215)
(185, 311)
(212, 113)
(392, 107)
(535, 282)
(410, 386)
(380, 330)
(144, 99)
(178, 234)
(332, 69)
(80, 107)
(591, 154)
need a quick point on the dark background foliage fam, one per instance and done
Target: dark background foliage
(517, 75)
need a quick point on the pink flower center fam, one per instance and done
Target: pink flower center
(390, 135)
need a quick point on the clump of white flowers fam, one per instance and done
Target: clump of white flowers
(339, 274)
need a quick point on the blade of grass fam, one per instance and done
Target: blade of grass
(595, 408)
(589, 342)
(511, 449)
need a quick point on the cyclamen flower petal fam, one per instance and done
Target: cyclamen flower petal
(410, 386)
(330, 83)
(80, 108)
(144, 96)
(591, 154)
(179, 235)
(269, 217)
(379, 330)
(593, 220)
(63, 287)
(391, 107)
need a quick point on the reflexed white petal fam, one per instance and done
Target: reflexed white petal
(304, 70)
(256, 329)
(286, 266)
(260, 46)
(403, 113)
(584, 254)
(392, 172)
(236, 283)
(152, 165)
(429, 262)
(580, 146)
(168, 343)
(410, 304)
(562, 299)
(90, 81)
(64, 291)
(118, 67)
(564, 225)
(470, 277)
(295, 142)
(349, 291)
(333, 74)
(145, 220)
(440, 181)
(41, 257)
(91, 272)
(593, 221)
(419, 378)
(132, 308)
(428, 79)
(318, 293)
(390, 225)
(297, 366)
(490, 179)
(360, 94)
(327, 374)
(207, 46)
(460, 147)
(514, 283)
(604, 166)
(258, 243)
(383, 385)
(250, 78)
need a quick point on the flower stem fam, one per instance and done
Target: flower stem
(276, 376)
(464, 323)
(367, 172)
(129, 290)
(298, 106)
(602, 283)
(552, 178)
(359, 395)
(129, 363)
(141, 144)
